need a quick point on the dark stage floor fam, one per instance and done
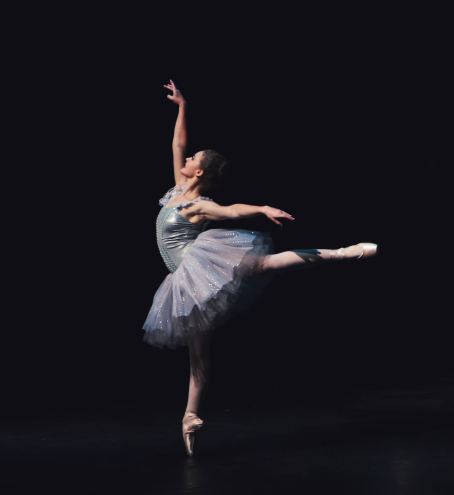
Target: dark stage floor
(395, 440)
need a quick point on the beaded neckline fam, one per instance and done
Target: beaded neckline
(187, 203)
(178, 189)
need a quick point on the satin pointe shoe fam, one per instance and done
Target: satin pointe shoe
(364, 249)
(191, 424)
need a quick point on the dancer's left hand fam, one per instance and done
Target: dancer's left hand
(274, 213)
(176, 97)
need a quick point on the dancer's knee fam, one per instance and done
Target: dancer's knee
(268, 263)
(292, 260)
(276, 263)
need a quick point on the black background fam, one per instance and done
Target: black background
(315, 112)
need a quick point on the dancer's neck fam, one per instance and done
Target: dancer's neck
(191, 191)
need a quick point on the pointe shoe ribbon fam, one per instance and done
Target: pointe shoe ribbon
(191, 424)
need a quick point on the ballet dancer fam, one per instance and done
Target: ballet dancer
(216, 273)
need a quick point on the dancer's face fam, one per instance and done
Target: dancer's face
(192, 166)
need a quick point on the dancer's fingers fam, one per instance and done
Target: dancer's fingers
(285, 215)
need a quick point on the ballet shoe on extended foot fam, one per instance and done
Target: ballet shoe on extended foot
(191, 424)
(361, 250)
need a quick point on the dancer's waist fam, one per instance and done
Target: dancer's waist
(173, 252)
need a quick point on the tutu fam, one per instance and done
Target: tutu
(218, 277)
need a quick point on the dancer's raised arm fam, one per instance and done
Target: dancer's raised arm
(213, 211)
(180, 139)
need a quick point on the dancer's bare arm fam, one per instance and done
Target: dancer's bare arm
(212, 211)
(180, 139)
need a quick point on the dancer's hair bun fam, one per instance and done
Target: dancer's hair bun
(214, 167)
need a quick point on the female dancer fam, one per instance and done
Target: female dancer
(214, 273)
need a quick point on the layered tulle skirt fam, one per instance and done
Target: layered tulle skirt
(220, 276)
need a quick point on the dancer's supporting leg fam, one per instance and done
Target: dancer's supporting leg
(200, 370)
(305, 258)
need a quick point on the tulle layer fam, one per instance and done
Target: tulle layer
(219, 277)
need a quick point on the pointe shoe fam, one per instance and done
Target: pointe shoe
(367, 250)
(191, 424)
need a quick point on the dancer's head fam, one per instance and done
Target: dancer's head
(208, 166)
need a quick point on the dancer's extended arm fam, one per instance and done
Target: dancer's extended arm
(212, 211)
(180, 139)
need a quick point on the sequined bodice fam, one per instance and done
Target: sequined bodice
(174, 233)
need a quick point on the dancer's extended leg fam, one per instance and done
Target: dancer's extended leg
(305, 258)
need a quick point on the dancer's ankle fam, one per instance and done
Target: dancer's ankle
(350, 252)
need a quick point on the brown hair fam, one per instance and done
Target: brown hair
(214, 166)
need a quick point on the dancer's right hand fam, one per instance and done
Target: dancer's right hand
(273, 213)
(176, 97)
